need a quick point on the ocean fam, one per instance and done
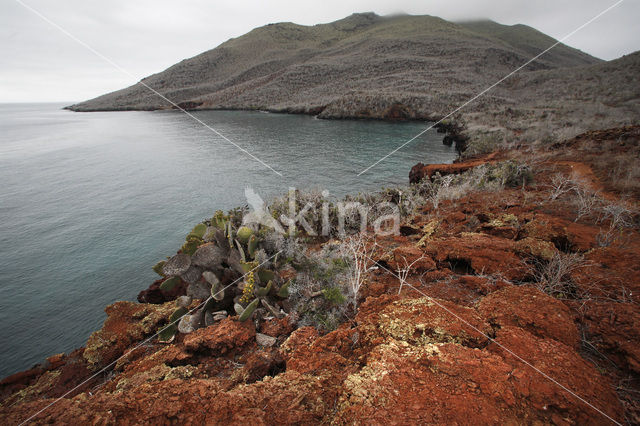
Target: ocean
(89, 202)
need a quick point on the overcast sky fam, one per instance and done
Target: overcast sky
(40, 63)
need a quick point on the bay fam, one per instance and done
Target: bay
(90, 201)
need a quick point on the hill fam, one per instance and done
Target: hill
(400, 67)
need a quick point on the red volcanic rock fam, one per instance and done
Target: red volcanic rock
(566, 368)
(126, 323)
(276, 327)
(481, 285)
(529, 308)
(610, 273)
(259, 364)
(533, 247)
(615, 329)
(464, 290)
(226, 336)
(428, 384)
(402, 361)
(303, 336)
(51, 379)
(289, 398)
(449, 383)
(421, 171)
(420, 321)
(407, 255)
(478, 253)
(564, 234)
(327, 353)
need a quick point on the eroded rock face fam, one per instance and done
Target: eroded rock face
(126, 323)
(221, 338)
(566, 367)
(615, 329)
(566, 235)
(422, 321)
(406, 384)
(412, 378)
(410, 256)
(478, 253)
(528, 308)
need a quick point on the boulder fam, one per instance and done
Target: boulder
(478, 253)
(529, 308)
(224, 337)
(265, 340)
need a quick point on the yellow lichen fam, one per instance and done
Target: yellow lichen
(506, 219)
(537, 248)
(181, 372)
(44, 383)
(142, 322)
(399, 322)
(427, 231)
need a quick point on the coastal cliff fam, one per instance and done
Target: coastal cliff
(510, 294)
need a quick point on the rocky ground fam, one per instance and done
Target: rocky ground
(521, 306)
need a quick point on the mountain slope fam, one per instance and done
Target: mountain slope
(530, 41)
(403, 67)
(289, 66)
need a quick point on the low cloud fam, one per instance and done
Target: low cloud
(40, 63)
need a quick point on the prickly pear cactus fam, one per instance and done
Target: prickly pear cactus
(190, 246)
(244, 233)
(219, 220)
(157, 268)
(248, 311)
(169, 284)
(197, 232)
(228, 253)
(252, 245)
(168, 333)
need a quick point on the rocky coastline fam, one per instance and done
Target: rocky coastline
(509, 269)
(403, 67)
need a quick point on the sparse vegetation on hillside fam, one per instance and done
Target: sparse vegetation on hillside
(404, 67)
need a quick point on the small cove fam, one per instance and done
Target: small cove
(90, 201)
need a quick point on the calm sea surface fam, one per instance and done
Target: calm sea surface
(90, 201)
